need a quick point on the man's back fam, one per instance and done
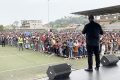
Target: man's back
(92, 31)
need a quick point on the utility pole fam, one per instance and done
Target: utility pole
(48, 12)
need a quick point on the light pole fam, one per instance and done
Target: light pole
(48, 13)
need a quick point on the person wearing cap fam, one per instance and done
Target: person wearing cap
(93, 31)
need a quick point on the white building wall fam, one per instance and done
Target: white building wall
(32, 24)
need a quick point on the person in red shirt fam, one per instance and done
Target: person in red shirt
(43, 38)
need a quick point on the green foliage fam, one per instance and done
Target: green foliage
(1, 27)
(63, 22)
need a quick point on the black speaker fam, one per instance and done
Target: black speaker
(59, 71)
(109, 60)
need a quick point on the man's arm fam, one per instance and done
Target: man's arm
(101, 31)
(84, 30)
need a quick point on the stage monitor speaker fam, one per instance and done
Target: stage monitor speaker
(109, 60)
(59, 71)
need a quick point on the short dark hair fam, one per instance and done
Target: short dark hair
(91, 17)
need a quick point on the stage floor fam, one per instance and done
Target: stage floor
(105, 73)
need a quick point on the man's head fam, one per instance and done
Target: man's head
(91, 18)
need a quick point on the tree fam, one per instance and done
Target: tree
(1, 27)
(15, 24)
(64, 22)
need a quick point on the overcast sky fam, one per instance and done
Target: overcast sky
(16, 10)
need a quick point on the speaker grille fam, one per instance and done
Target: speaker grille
(61, 68)
(58, 71)
(109, 60)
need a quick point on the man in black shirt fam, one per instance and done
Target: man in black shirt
(3, 40)
(93, 31)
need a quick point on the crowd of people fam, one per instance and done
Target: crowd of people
(66, 43)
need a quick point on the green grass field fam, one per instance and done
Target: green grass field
(28, 64)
